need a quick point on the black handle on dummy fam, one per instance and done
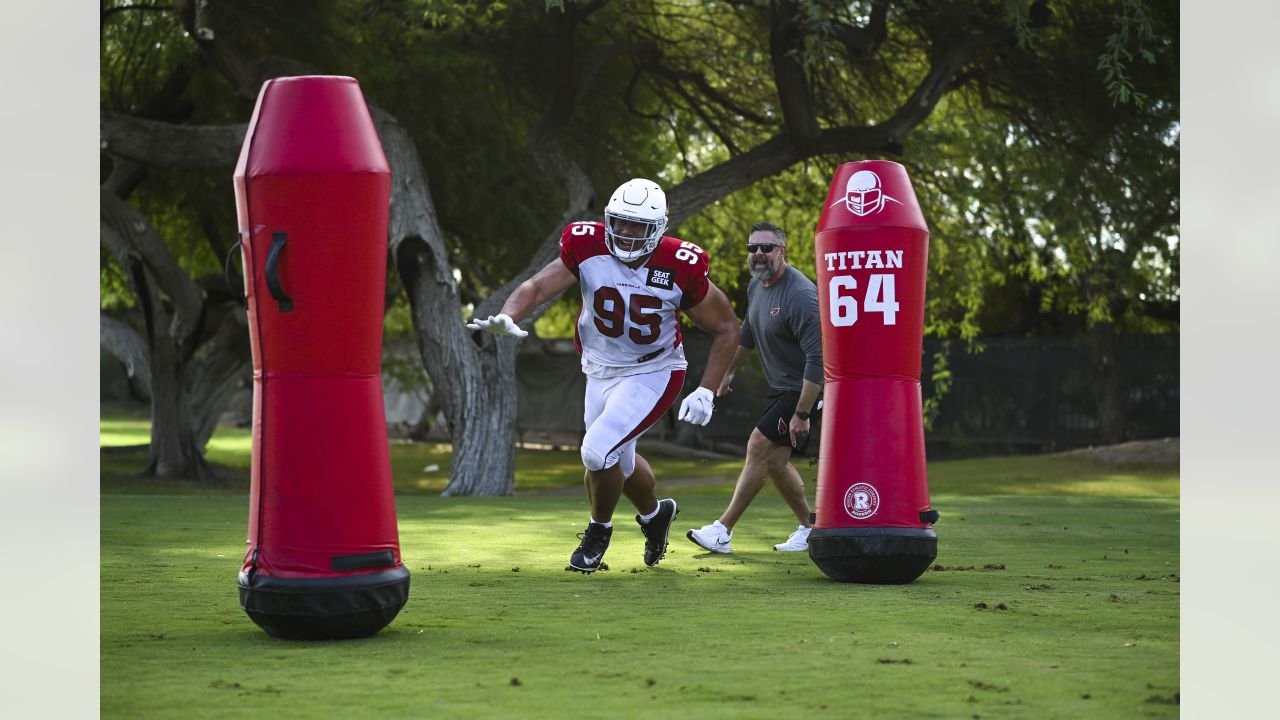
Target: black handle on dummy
(273, 278)
(226, 274)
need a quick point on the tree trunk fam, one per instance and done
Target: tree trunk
(221, 365)
(174, 453)
(174, 309)
(483, 438)
(128, 347)
(474, 379)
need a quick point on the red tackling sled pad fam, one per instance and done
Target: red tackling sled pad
(313, 195)
(874, 522)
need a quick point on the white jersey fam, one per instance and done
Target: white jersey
(629, 322)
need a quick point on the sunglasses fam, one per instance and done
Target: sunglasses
(762, 247)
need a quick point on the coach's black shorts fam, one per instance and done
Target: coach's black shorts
(775, 424)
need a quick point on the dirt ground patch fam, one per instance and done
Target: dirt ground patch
(1150, 452)
(1163, 451)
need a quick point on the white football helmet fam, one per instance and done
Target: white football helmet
(635, 201)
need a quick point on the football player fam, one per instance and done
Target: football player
(634, 281)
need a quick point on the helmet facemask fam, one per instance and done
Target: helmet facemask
(863, 202)
(640, 202)
(628, 244)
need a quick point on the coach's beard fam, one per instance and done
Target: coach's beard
(763, 268)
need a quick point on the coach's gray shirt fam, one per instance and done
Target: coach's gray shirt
(782, 323)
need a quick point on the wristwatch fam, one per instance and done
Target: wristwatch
(802, 415)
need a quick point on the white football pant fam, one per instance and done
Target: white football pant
(618, 410)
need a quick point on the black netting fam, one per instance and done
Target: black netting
(1018, 395)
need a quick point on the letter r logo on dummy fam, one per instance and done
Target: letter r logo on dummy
(861, 501)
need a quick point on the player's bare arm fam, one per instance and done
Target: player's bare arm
(543, 287)
(715, 315)
(549, 282)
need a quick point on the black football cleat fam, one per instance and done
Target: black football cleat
(657, 530)
(589, 557)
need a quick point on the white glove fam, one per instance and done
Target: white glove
(697, 406)
(500, 324)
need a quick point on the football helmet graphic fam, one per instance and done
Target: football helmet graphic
(635, 219)
(863, 194)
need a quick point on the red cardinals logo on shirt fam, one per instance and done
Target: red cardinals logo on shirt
(774, 311)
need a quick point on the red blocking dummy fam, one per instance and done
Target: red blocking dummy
(313, 194)
(871, 247)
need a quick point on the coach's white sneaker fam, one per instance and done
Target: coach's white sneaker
(798, 542)
(714, 537)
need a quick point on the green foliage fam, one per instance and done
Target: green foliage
(139, 50)
(397, 322)
(791, 200)
(1059, 217)
(1135, 25)
(1048, 176)
(115, 295)
(1008, 251)
(167, 203)
(940, 381)
(1018, 16)
(470, 137)
(443, 14)
(560, 320)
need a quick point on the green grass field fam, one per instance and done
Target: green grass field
(419, 468)
(1055, 595)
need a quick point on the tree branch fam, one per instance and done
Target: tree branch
(125, 176)
(861, 41)
(168, 145)
(786, 47)
(598, 60)
(123, 228)
(767, 159)
(107, 13)
(699, 80)
(946, 64)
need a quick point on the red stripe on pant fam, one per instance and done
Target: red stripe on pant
(663, 405)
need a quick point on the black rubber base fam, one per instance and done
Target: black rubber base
(337, 608)
(880, 556)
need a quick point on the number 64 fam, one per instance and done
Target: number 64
(880, 298)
